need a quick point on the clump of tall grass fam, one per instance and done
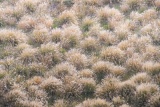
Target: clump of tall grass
(89, 44)
(108, 88)
(53, 87)
(56, 35)
(127, 91)
(27, 23)
(140, 78)
(88, 87)
(107, 38)
(94, 103)
(113, 54)
(154, 100)
(60, 103)
(71, 37)
(78, 59)
(144, 92)
(101, 69)
(64, 69)
(117, 101)
(86, 73)
(12, 37)
(49, 54)
(40, 35)
(66, 17)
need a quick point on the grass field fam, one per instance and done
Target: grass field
(79, 53)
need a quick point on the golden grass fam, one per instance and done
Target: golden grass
(79, 53)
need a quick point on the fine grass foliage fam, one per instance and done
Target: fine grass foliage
(79, 53)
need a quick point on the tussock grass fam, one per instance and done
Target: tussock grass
(79, 53)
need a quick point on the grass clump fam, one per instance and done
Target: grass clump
(88, 87)
(101, 69)
(113, 54)
(94, 103)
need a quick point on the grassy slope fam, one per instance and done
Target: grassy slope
(79, 53)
